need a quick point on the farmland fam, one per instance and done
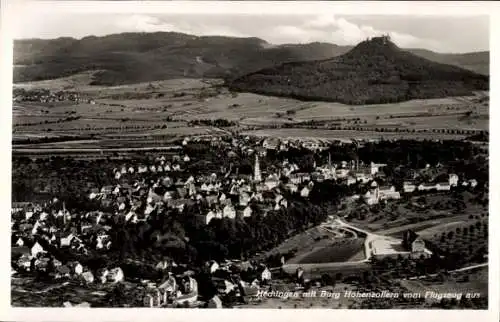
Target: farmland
(339, 251)
(156, 113)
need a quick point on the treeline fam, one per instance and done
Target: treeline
(49, 139)
(58, 121)
(481, 137)
(339, 127)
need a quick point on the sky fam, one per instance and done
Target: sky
(448, 34)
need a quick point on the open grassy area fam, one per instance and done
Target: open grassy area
(339, 251)
(165, 108)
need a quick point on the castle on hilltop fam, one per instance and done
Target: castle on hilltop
(384, 39)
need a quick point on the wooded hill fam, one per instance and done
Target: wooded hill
(376, 71)
(129, 58)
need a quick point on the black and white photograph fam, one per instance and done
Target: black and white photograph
(322, 160)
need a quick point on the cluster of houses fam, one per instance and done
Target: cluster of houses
(37, 235)
(453, 181)
(163, 184)
(135, 198)
(52, 97)
(141, 190)
(227, 277)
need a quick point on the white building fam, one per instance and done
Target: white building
(229, 212)
(305, 192)
(37, 249)
(409, 187)
(453, 180)
(443, 186)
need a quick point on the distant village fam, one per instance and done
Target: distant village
(38, 227)
(46, 96)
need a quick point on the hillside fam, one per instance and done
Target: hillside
(375, 71)
(141, 57)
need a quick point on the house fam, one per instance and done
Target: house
(375, 167)
(42, 264)
(37, 249)
(66, 241)
(388, 192)
(341, 173)
(473, 183)
(212, 200)
(270, 143)
(351, 180)
(297, 178)
(244, 199)
(305, 192)
(214, 303)
(426, 187)
(453, 180)
(76, 268)
(293, 188)
(103, 275)
(88, 277)
(247, 212)
(265, 275)
(28, 214)
(62, 271)
(362, 177)
(115, 275)
(20, 242)
(370, 198)
(409, 187)
(272, 181)
(213, 266)
(107, 189)
(24, 261)
(418, 245)
(443, 186)
(229, 212)
(209, 216)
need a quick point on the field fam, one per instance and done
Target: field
(340, 251)
(159, 111)
(313, 238)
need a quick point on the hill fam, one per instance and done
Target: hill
(129, 58)
(376, 71)
(141, 57)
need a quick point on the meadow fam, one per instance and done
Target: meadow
(166, 107)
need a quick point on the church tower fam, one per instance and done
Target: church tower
(257, 175)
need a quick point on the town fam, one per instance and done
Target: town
(199, 226)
